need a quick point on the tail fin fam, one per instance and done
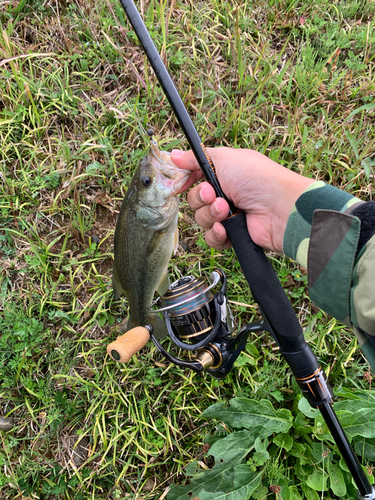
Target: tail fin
(160, 330)
(153, 319)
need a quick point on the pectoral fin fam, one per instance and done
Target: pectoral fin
(164, 283)
(154, 242)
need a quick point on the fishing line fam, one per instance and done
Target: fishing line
(131, 106)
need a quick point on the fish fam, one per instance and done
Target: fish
(146, 235)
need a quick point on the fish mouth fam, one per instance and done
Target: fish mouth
(161, 160)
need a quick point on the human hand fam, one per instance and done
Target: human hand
(260, 187)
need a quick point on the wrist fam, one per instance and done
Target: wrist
(317, 196)
(292, 188)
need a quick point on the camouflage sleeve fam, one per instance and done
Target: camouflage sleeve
(332, 234)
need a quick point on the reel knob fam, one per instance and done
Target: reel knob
(125, 346)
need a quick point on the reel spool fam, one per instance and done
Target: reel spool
(191, 314)
(193, 319)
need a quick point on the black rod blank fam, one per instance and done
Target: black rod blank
(333, 424)
(264, 284)
(174, 99)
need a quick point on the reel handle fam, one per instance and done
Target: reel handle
(125, 346)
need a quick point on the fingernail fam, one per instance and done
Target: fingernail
(177, 153)
(215, 210)
(202, 196)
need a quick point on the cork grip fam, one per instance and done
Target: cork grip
(123, 348)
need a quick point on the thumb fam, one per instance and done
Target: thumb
(184, 159)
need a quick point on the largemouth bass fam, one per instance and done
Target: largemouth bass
(146, 235)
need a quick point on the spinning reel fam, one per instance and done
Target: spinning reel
(197, 319)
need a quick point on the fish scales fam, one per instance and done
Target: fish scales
(140, 272)
(145, 236)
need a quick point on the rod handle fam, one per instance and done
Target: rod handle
(125, 346)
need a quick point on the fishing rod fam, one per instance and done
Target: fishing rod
(209, 328)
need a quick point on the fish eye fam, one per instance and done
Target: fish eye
(146, 181)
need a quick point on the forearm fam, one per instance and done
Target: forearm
(331, 233)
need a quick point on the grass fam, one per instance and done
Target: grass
(292, 79)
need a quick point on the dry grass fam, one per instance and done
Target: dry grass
(291, 79)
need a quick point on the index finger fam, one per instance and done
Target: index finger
(201, 195)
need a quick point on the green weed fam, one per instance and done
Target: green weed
(279, 448)
(292, 79)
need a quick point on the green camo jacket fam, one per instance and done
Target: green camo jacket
(332, 234)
